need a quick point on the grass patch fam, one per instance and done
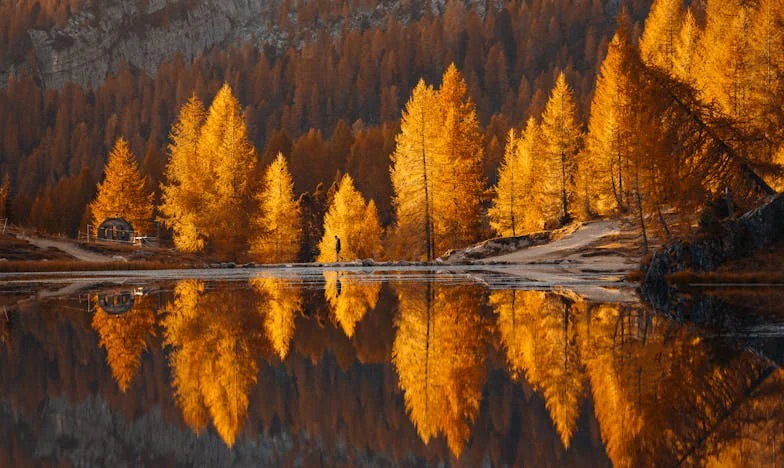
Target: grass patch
(38, 266)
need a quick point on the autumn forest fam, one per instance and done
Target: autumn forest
(449, 130)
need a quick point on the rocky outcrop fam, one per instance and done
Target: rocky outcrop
(146, 33)
(728, 240)
(93, 45)
(497, 246)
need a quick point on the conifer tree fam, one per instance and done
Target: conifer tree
(350, 298)
(354, 221)
(229, 161)
(686, 48)
(506, 214)
(458, 169)
(412, 172)
(562, 138)
(276, 236)
(767, 44)
(517, 207)
(662, 29)
(182, 196)
(280, 301)
(724, 72)
(122, 193)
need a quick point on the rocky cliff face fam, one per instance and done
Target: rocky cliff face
(145, 33)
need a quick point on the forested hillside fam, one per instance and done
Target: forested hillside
(572, 109)
(509, 58)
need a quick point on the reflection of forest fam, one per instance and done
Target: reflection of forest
(521, 376)
(662, 394)
(439, 357)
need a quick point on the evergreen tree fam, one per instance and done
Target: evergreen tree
(122, 193)
(276, 236)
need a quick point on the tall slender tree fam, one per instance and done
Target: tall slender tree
(276, 230)
(562, 137)
(230, 161)
(662, 29)
(458, 183)
(412, 171)
(518, 204)
(182, 193)
(686, 48)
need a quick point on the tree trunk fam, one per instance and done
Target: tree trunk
(565, 204)
(638, 199)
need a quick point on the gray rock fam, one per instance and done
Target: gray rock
(92, 46)
(730, 240)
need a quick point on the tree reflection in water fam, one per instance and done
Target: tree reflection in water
(279, 299)
(539, 333)
(124, 336)
(462, 364)
(438, 353)
(217, 338)
(350, 297)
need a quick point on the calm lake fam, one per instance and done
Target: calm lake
(305, 367)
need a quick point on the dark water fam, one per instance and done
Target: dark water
(356, 368)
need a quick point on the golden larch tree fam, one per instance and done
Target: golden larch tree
(520, 198)
(182, 194)
(609, 134)
(506, 214)
(662, 30)
(122, 193)
(458, 183)
(413, 172)
(767, 44)
(686, 48)
(540, 340)
(725, 67)
(562, 137)
(186, 360)
(354, 221)
(276, 230)
(228, 163)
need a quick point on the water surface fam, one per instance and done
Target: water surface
(311, 367)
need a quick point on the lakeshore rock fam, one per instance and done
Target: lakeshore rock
(729, 240)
